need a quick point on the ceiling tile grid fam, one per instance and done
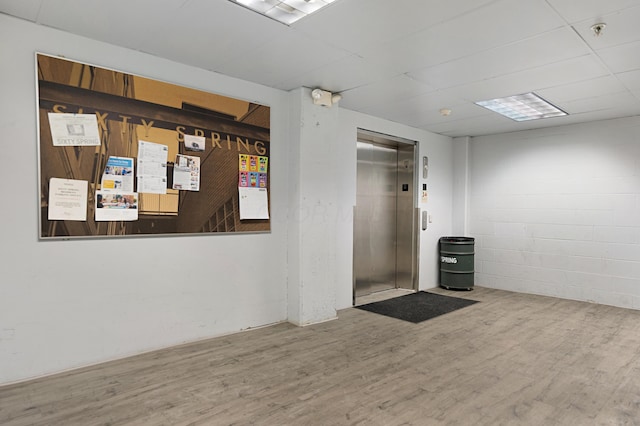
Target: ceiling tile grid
(23, 9)
(403, 60)
(580, 10)
(550, 47)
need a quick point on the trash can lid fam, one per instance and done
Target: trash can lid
(457, 239)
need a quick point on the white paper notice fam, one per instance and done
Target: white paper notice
(194, 143)
(149, 151)
(74, 129)
(152, 167)
(254, 203)
(68, 199)
(186, 173)
(152, 184)
(112, 206)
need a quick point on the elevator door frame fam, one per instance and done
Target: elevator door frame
(412, 215)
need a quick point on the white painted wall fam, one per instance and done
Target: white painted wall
(460, 191)
(557, 211)
(56, 312)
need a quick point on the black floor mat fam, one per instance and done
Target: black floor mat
(417, 307)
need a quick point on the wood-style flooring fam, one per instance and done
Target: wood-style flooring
(514, 359)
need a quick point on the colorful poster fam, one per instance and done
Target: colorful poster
(262, 164)
(253, 163)
(253, 180)
(253, 171)
(243, 164)
(118, 175)
(244, 180)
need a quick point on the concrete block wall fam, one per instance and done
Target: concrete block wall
(557, 211)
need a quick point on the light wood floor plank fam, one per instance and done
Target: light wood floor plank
(513, 359)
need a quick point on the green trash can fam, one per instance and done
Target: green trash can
(456, 263)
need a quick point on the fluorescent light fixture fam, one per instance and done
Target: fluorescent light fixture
(285, 11)
(528, 106)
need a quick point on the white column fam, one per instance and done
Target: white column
(313, 210)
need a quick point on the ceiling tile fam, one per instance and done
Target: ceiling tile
(625, 57)
(382, 92)
(475, 126)
(579, 10)
(401, 60)
(536, 51)
(133, 20)
(631, 79)
(493, 25)
(285, 57)
(345, 73)
(25, 9)
(360, 24)
(583, 89)
(597, 103)
(564, 72)
(199, 34)
(622, 27)
(459, 112)
(419, 109)
(603, 114)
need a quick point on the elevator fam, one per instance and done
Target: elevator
(385, 216)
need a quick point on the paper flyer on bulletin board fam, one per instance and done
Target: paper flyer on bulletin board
(118, 174)
(254, 203)
(186, 173)
(152, 167)
(74, 129)
(68, 199)
(112, 206)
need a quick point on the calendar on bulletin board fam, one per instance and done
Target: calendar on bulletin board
(124, 155)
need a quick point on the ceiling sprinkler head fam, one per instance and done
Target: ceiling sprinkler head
(598, 28)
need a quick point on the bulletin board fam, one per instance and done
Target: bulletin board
(124, 155)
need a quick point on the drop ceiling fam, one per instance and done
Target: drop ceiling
(402, 60)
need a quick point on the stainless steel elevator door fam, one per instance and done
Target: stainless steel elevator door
(375, 219)
(384, 221)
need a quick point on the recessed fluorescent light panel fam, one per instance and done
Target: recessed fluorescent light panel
(285, 11)
(528, 106)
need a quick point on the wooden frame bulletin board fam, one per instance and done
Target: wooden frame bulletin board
(230, 134)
